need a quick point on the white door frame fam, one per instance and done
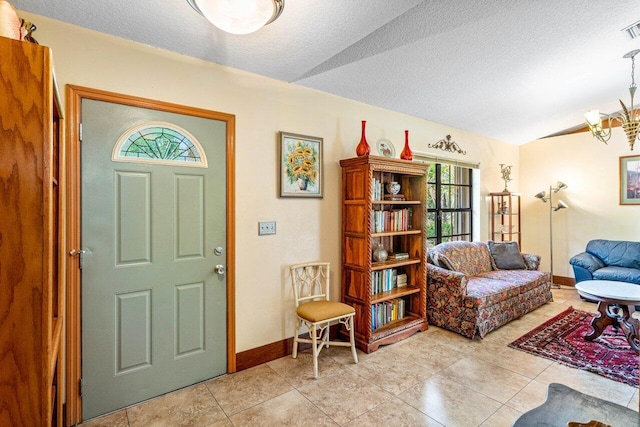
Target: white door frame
(75, 94)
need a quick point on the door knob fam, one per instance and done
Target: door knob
(219, 269)
(80, 253)
(75, 252)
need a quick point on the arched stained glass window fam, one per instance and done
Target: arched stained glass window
(159, 143)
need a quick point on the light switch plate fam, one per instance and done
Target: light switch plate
(266, 227)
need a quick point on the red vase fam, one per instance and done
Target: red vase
(363, 147)
(406, 151)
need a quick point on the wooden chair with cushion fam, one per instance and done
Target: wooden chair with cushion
(315, 310)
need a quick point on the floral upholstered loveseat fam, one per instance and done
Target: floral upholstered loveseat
(470, 292)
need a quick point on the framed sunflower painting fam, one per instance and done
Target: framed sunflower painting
(301, 172)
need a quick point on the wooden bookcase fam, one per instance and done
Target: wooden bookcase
(31, 238)
(505, 217)
(363, 205)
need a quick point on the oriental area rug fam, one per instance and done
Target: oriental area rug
(561, 339)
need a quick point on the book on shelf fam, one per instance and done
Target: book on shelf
(376, 189)
(392, 220)
(385, 312)
(398, 256)
(395, 197)
(401, 280)
(384, 280)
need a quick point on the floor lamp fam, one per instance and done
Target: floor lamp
(561, 205)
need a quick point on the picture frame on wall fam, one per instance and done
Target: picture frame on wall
(301, 170)
(630, 180)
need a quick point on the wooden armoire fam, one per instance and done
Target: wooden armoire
(31, 238)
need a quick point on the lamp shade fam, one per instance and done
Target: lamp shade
(561, 205)
(239, 16)
(593, 118)
(541, 195)
(561, 186)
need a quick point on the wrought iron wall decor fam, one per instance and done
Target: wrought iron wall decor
(447, 144)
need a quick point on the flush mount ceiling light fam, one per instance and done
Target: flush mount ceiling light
(628, 118)
(239, 16)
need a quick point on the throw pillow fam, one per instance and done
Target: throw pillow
(431, 258)
(441, 260)
(506, 255)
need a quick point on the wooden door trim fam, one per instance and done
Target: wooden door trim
(75, 95)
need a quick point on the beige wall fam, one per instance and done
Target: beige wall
(591, 170)
(307, 229)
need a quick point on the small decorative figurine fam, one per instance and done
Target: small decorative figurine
(506, 175)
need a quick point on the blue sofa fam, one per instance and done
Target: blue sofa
(608, 260)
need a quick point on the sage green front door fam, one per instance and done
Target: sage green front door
(153, 228)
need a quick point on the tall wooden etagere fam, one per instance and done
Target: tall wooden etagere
(387, 310)
(505, 217)
(32, 246)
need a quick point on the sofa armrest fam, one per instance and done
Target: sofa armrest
(445, 282)
(532, 261)
(587, 261)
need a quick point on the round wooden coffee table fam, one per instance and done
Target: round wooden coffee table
(616, 305)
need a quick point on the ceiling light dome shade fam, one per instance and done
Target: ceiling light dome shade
(239, 16)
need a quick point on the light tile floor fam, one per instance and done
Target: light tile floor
(434, 378)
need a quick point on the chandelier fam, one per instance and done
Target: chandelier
(629, 119)
(239, 16)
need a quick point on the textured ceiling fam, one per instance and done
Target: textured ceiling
(511, 70)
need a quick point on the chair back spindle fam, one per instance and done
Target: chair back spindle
(310, 282)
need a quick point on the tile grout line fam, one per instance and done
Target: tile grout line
(216, 400)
